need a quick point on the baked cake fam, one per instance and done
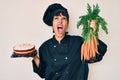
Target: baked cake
(24, 49)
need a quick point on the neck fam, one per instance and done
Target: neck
(59, 38)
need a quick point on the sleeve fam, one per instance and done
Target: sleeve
(41, 69)
(102, 48)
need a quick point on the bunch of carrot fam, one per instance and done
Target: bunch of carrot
(89, 48)
(91, 23)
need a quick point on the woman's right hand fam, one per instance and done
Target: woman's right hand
(36, 60)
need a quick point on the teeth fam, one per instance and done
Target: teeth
(59, 26)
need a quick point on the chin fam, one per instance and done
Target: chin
(60, 35)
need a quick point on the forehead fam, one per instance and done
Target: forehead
(60, 14)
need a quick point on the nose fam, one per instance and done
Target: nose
(60, 20)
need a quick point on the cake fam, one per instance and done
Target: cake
(24, 49)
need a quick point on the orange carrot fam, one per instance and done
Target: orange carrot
(82, 51)
(92, 48)
(85, 51)
(90, 54)
(88, 50)
(96, 45)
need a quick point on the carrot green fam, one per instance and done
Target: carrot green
(92, 14)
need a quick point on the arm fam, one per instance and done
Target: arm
(102, 47)
(38, 64)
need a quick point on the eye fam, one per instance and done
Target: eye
(55, 18)
(64, 18)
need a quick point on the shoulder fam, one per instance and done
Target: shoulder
(46, 42)
(75, 37)
(43, 47)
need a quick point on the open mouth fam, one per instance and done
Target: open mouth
(60, 29)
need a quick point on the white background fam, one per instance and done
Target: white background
(21, 21)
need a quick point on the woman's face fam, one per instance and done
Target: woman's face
(60, 24)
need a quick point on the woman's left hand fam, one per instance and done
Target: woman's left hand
(93, 24)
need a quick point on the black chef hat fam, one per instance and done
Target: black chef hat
(53, 10)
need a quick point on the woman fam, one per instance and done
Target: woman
(59, 57)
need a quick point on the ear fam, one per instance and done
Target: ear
(53, 29)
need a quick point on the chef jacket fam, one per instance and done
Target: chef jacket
(62, 61)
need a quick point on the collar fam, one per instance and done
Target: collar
(64, 40)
